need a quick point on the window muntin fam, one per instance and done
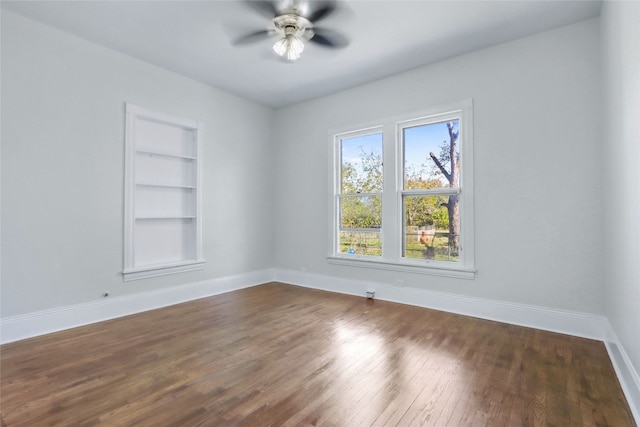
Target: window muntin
(359, 196)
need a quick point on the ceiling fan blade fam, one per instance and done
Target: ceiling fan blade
(325, 9)
(252, 37)
(263, 7)
(329, 38)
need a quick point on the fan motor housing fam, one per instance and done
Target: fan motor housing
(289, 23)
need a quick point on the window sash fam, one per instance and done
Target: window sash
(340, 195)
(434, 119)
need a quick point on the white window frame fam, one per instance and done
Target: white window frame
(133, 269)
(392, 212)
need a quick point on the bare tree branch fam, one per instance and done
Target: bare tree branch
(442, 169)
(453, 136)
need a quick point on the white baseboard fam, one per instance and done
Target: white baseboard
(43, 322)
(38, 323)
(565, 322)
(627, 375)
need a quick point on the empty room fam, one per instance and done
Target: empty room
(332, 213)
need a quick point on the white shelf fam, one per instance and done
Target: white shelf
(151, 218)
(164, 153)
(155, 270)
(157, 184)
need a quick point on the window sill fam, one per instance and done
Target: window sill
(161, 270)
(420, 267)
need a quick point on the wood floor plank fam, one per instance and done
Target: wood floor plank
(284, 355)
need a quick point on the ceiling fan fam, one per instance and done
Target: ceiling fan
(294, 25)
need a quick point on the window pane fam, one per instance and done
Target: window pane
(360, 212)
(361, 164)
(428, 159)
(431, 227)
(360, 243)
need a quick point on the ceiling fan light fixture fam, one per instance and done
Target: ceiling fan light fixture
(289, 46)
(292, 29)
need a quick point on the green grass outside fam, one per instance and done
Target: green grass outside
(415, 249)
(362, 243)
(371, 244)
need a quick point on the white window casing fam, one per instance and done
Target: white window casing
(392, 230)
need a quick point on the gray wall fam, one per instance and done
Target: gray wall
(538, 168)
(546, 234)
(621, 143)
(62, 169)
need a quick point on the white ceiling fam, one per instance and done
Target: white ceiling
(193, 38)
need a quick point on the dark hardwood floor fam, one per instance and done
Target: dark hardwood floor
(285, 355)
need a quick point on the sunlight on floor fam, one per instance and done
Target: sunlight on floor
(388, 369)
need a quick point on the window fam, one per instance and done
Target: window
(403, 193)
(163, 221)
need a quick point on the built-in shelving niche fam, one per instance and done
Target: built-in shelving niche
(163, 219)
